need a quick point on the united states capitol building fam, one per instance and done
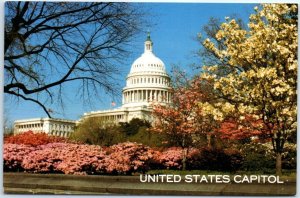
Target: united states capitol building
(146, 84)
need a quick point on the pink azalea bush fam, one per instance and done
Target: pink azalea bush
(63, 157)
(68, 158)
(128, 157)
(171, 158)
(14, 154)
(50, 155)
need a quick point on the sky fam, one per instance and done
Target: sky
(175, 28)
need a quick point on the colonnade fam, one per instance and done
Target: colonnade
(141, 95)
(114, 117)
(60, 133)
(148, 80)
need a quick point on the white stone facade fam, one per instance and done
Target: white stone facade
(51, 126)
(146, 83)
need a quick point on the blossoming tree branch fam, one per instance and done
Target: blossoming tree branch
(256, 96)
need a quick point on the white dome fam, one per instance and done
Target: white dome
(148, 62)
(147, 81)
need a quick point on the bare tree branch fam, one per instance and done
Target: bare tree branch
(50, 43)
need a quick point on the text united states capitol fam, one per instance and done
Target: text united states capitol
(170, 178)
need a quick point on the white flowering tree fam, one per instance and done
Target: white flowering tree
(263, 78)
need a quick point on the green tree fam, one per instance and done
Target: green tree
(133, 126)
(96, 131)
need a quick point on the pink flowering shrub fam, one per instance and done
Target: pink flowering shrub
(67, 158)
(128, 157)
(171, 158)
(13, 155)
(64, 158)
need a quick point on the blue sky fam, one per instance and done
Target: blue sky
(176, 26)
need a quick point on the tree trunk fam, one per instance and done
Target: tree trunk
(208, 136)
(278, 164)
(184, 154)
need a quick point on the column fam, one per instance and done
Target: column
(167, 97)
(136, 95)
(140, 95)
(133, 96)
(147, 97)
(154, 93)
(159, 95)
